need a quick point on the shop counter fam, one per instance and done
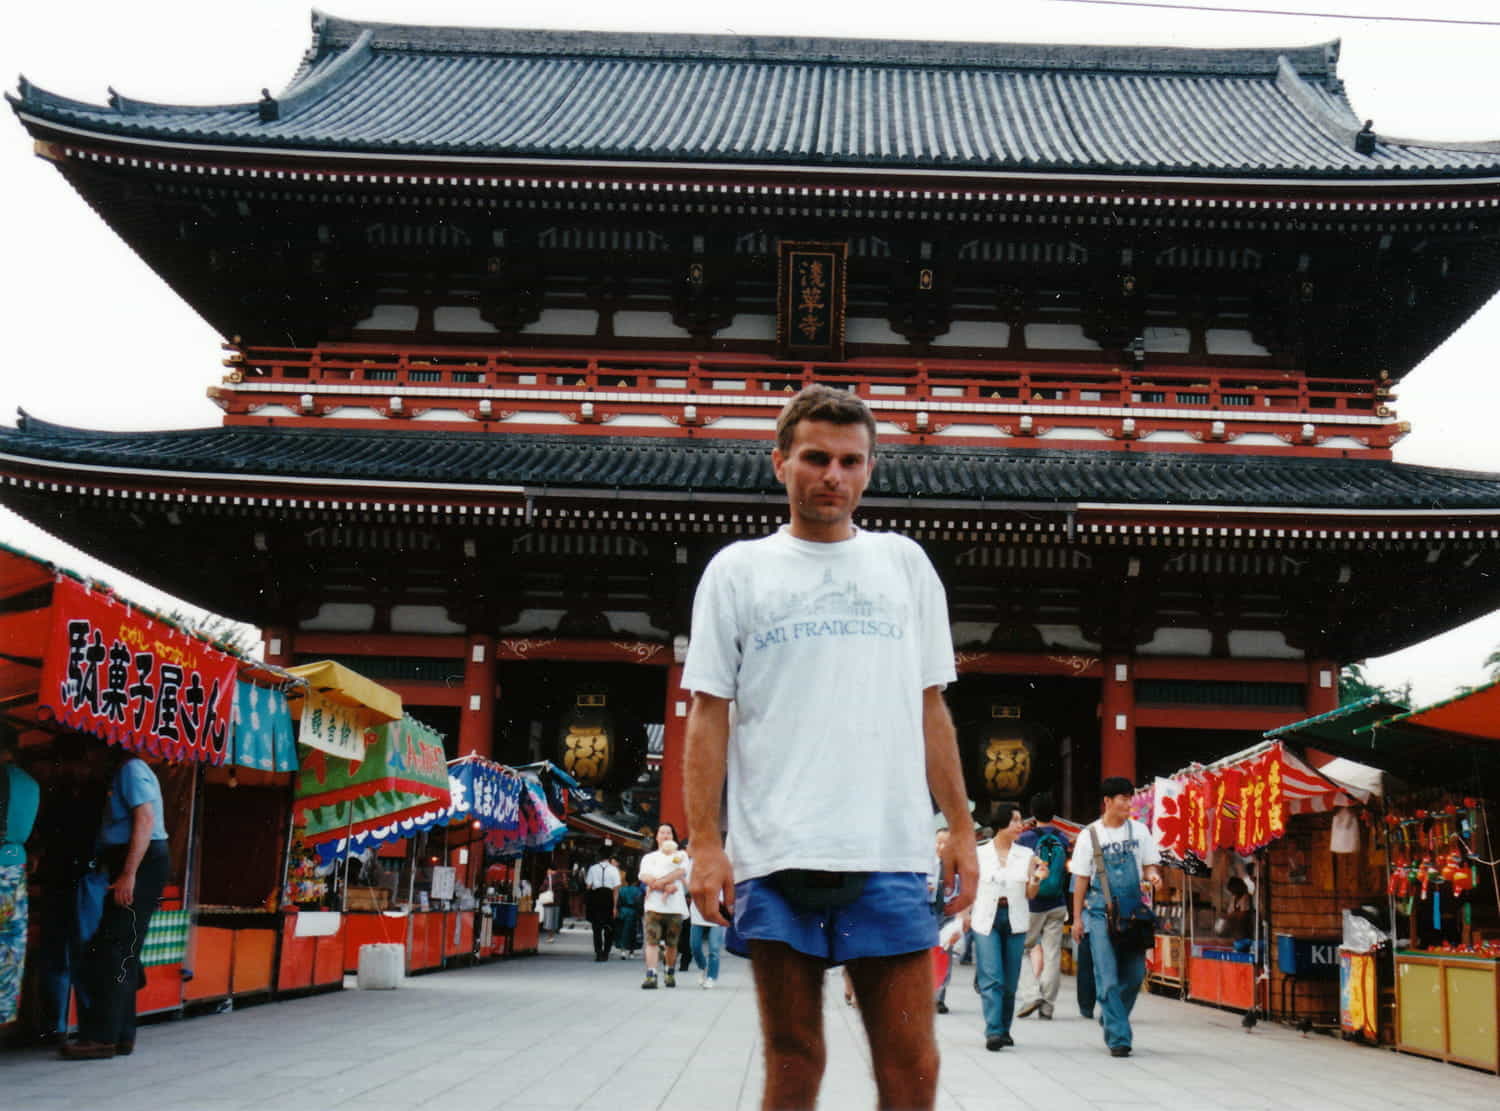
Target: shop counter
(371, 928)
(458, 934)
(1446, 1007)
(424, 944)
(234, 953)
(312, 951)
(526, 933)
(1222, 977)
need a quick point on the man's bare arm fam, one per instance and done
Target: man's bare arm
(705, 763)
(945, 779)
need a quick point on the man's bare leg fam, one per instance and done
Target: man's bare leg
(789, 989)
(895, 998)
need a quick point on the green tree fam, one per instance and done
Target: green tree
(1492, 663)
(238, 638)
(1355, 685)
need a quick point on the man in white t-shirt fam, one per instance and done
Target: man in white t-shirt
(833, 646)
(1131, 858)
(662, 874)
(601, 883)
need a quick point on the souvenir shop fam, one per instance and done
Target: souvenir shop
(1428, 979)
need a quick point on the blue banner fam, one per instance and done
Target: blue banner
(481, 791)
(264, 737)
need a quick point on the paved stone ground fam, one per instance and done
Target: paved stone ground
(560, 1031)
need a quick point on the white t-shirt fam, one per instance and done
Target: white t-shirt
(602, 874)
(825, 650)
(1131, 837)
(658, 864)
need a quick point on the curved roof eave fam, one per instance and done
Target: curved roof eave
(934, 175)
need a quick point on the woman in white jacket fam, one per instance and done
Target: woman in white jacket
(1009, 875)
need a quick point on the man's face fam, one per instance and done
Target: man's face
(825, 473)
(1117, 808)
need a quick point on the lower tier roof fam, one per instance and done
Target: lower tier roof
(1043, 477)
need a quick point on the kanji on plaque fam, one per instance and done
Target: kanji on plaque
(134, 681)
(331, 727)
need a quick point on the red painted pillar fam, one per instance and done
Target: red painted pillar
(1117, 718)
(1322, 687)
(674, 735)
(277, 640)
(476, 721)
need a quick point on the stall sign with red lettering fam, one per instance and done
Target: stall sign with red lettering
(118, 674)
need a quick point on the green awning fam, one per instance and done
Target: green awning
(404, 772)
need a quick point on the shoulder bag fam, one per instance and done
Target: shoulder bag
(1133, 930)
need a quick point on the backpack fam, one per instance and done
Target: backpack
(1052, 849)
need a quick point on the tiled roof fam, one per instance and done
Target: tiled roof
(411, 90)
(1038, 476)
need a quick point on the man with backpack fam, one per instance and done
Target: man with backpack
(1049, 913)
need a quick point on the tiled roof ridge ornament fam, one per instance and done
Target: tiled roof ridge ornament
(1364, 140)
(332, 33)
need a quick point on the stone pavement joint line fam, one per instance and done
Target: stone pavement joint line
(559, 1031)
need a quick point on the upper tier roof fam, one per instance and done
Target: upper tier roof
(832, 103)
(1042, 477)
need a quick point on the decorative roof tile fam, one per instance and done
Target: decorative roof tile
(412, 90)
(1036, 476)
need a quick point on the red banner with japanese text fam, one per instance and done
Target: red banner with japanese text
(1225, 821)
(118, 674)
(1199, 795)
(1263, 803)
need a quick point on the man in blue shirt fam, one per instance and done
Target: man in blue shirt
(132, 849)
(1049, 913)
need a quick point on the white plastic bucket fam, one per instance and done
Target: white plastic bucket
(381, 966)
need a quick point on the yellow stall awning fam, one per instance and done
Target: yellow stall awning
(344, 687)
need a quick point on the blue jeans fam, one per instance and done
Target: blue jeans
(997, 957)
(707, 941)
(1118, 974)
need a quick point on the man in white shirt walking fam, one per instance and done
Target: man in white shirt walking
(833, 645)
(1129, 856)
(601, 899)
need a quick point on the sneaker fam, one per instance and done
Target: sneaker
(649, 983)
(671, 978)
(1046, 1013)
(1119, 1051)
(703, 979)
(942, 1008)
(1030, 1009)
(710, 983)
(994, 1045)
(1006, 1040)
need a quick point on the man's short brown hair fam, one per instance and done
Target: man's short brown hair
(822, 403)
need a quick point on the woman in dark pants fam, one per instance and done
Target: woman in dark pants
(133, 851)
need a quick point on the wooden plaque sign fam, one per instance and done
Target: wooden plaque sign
(810, 300)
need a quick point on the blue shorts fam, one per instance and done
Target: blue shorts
(893, 915)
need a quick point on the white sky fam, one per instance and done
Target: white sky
(92, 338)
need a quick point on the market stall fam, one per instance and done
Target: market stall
(484, 799)
(397, 772)
(1219, 825)
(1442, 897)
(243, 823)
(83, 669)
(546, 791)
